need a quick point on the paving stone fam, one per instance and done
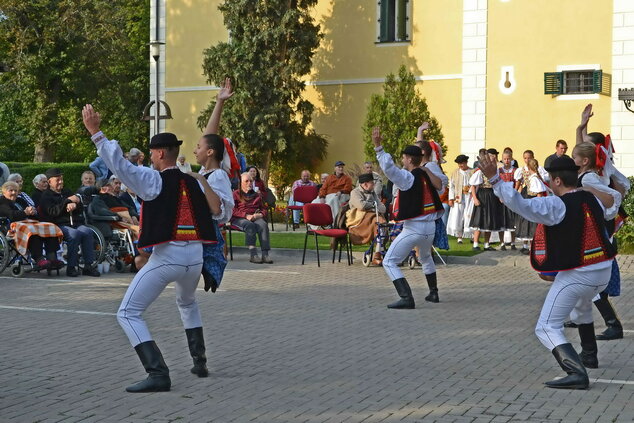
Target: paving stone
(293, 343)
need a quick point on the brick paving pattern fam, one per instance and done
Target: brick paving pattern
(292, 343)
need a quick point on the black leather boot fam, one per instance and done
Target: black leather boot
(570, 362)
(196, 344)
(615, 329)
(158, 379)
(405, 292)
(433, 288)
(589, 348)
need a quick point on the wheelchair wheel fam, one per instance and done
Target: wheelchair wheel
(411, 261)
(119, 266)
(17, 270)
(367, 259)
(100, 246)
(5, 252)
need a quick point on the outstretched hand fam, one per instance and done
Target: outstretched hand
(423, 127)
(376, 136)
(91, 118)
(488, 166)
(586, 115)
(226, 91)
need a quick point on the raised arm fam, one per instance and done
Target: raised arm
(419, 132)
(214, 120)
(144, 181)
(401, 178)
(582, 129)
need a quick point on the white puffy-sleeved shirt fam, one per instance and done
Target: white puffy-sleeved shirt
(404, 179)
(536, 185)
(549, 210)
(219, 181)
(591, 179)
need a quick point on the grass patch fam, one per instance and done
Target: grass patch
(296, 241)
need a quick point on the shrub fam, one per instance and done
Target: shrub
(625, 236)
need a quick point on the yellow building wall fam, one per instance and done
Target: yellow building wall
(535, 37)
(347, 52)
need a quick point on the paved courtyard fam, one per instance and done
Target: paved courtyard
(292, 343)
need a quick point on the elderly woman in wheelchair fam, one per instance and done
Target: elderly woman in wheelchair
(29, 234)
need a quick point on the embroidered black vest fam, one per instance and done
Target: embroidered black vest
(179, 213)
(421, 199)
(581, 239)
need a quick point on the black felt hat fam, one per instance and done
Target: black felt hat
(413, 150)
(163, 140)
(562, 163)
(53, 172)
(462, 159)
(492, 151)
(366, 177)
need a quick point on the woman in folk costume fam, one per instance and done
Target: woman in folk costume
(507, 171)
(460, 200)
(585, 156)
(532, 186)
(570, 243)
(487, 214)
(594, 154)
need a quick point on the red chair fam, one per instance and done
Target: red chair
(319, 214)
(302, 194)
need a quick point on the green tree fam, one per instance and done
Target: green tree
(399, 111)
(270, 50)
(62, 54)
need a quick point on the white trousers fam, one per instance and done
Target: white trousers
(415, 233)
(571, 295)
(179, 262)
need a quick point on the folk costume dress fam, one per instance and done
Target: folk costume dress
(460, 213)
(509, 217)
(489, 215)
(532, 186)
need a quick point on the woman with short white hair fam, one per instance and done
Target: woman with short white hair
(40, 182)
(23, 198)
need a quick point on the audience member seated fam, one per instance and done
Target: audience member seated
(335, 190)
(4, 173)
(183, 165)
(249, 214)
(133, 156)
(42, 235)
(88, 179)
(304, 181)
(368, 167)
(131, 200)
(23, 198)
(322, 179)
(258, 183)
(361, 218)
(61, 207)
(113, 209)
(40, 182)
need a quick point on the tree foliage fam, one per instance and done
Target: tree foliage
(269, 52)
(62, 54)
(399, 111)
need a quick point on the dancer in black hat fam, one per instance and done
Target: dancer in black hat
(570, 243)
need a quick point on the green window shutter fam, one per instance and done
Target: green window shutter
(601, 83)
(386, 20)
(401, 25)
(553, 83)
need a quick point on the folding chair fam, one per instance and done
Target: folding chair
(319, 214)
(302, 194)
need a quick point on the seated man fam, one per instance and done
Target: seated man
(361, 218)
(110, 194)
(61, 207)
(88, 179)
(304, 181)
(336, 189)
(368, 167)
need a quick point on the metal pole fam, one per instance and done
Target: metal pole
(157, 103)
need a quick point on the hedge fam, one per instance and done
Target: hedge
(72, 172)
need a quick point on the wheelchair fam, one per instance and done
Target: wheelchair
(11, 258)
(118, 245)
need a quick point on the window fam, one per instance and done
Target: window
(593, 81)
(393, 21)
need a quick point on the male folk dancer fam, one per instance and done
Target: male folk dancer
(572, 241)
(176, 219)
(418, 205)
